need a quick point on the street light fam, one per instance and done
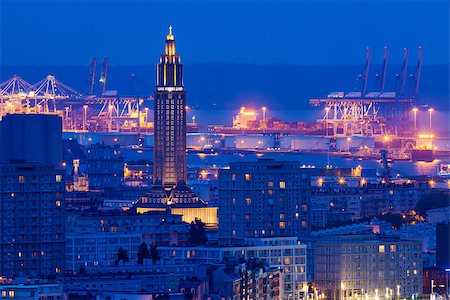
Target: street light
(85, 117)
(146, 116)
(348, 143)
(415, 110)
(430, 110)
(264, 109)
(386, 140)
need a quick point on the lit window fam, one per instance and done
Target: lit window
(58, 178)
(248, 176)
(58, 203)
(234, 232)
(381, 248)
(281, 216)
(20, 253)
(415, 272)
(248, 200)
(3, 294)
(282, 185)
(270, 192)
(21, 179)
(392, 248)
(247, 216)
(57, 269)
(282, 225)
(12, 294)
(233, 176)
(270, 184)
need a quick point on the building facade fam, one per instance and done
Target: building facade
(32, 218)
(367, 265)
(263, 199)
(105, 166)
(284, 253)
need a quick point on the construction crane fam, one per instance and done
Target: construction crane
(104, 75)
(91, 80)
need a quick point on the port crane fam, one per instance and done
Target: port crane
(378, 113)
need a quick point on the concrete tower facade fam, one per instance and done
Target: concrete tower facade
(170, 118)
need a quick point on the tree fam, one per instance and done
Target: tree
(142, 253)
(154, 253)
(197, 233)
(122, 255)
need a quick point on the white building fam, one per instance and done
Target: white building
(284, 253)
(367, 266)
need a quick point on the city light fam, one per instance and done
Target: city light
(430, 110)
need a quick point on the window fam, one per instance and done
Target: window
(392, 248)
(58, 203)
(3, 294)
(381, 248)
(248, 176)
(58, 178)
(282, 225)
(247, 216)
(282, 185)
(57, 270)
(11, 294)
(248, 200)
(281, 216)
(233, 177)
(21, 179)
(270, 184)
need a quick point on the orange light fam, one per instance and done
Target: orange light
(341, 181)
(415, 109)
(363, 181)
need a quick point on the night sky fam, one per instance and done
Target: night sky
(260, 32)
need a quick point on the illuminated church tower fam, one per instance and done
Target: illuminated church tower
(169, 191)
(170, 119)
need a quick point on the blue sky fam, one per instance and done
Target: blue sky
(260, 32)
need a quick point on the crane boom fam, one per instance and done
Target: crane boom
(383, 69)
(401, 88)
(366, 73)
(104, 75)
(418, 70)
(92, 69)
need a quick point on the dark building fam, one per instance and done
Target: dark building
(263, 199)
(170, 119)
(443, 245)
(31, 138)
(105, 166)
(32, 215)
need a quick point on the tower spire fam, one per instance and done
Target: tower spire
(170, 36)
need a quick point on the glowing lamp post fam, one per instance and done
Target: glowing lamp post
(85, 117)
(264, 110)
(327, 110)
(415, 110)
(386, 140)
(430, 110)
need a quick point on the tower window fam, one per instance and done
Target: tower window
(248, 176)
(21, 179)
